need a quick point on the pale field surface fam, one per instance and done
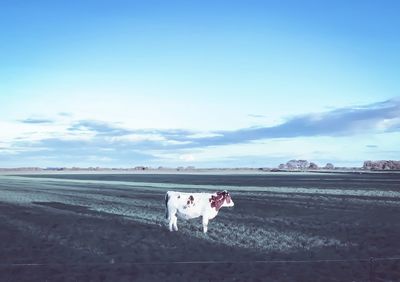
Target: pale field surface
(108, 222)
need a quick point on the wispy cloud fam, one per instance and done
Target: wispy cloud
(87, 141)
(382, 116)
(99, 127)
(256, 116)
(60, 152)
(65, 114)
(378, 117)
(371, 146)
(36, 121)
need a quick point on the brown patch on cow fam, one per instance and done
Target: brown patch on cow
(217, 201)
(190, 201)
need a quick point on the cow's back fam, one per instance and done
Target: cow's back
(187, 205)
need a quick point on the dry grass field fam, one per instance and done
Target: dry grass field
(283, 228)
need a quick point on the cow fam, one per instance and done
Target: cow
(192, 205)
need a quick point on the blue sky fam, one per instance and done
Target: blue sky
(203, 83)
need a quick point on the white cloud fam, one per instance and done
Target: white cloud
(388, 124)
(204, 135)
(99, 159)
(271, 152)
(187, 157)
(138, 138)
(110, 141)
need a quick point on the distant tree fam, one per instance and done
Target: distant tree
(313, 166)
(297, 164)
(292, 164)
(329, 166)
(302, 164)
(367, 165)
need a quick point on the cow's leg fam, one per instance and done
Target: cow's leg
(205, 224)
(172, 220)
(175, 223)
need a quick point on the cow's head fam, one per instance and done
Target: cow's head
(228, 200)
(222, 199)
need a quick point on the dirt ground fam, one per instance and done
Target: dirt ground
(112, 228)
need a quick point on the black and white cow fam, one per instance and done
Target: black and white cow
(192, 205)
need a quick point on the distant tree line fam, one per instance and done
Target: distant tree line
(382, 165)
(368, 165)
(304, 165)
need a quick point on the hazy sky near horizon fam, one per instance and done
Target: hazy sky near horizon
(204, 83)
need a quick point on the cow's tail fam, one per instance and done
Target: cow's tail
(166, 205)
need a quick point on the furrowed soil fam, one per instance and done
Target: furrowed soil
(284, 227)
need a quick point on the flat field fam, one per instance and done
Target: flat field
(284, 227)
